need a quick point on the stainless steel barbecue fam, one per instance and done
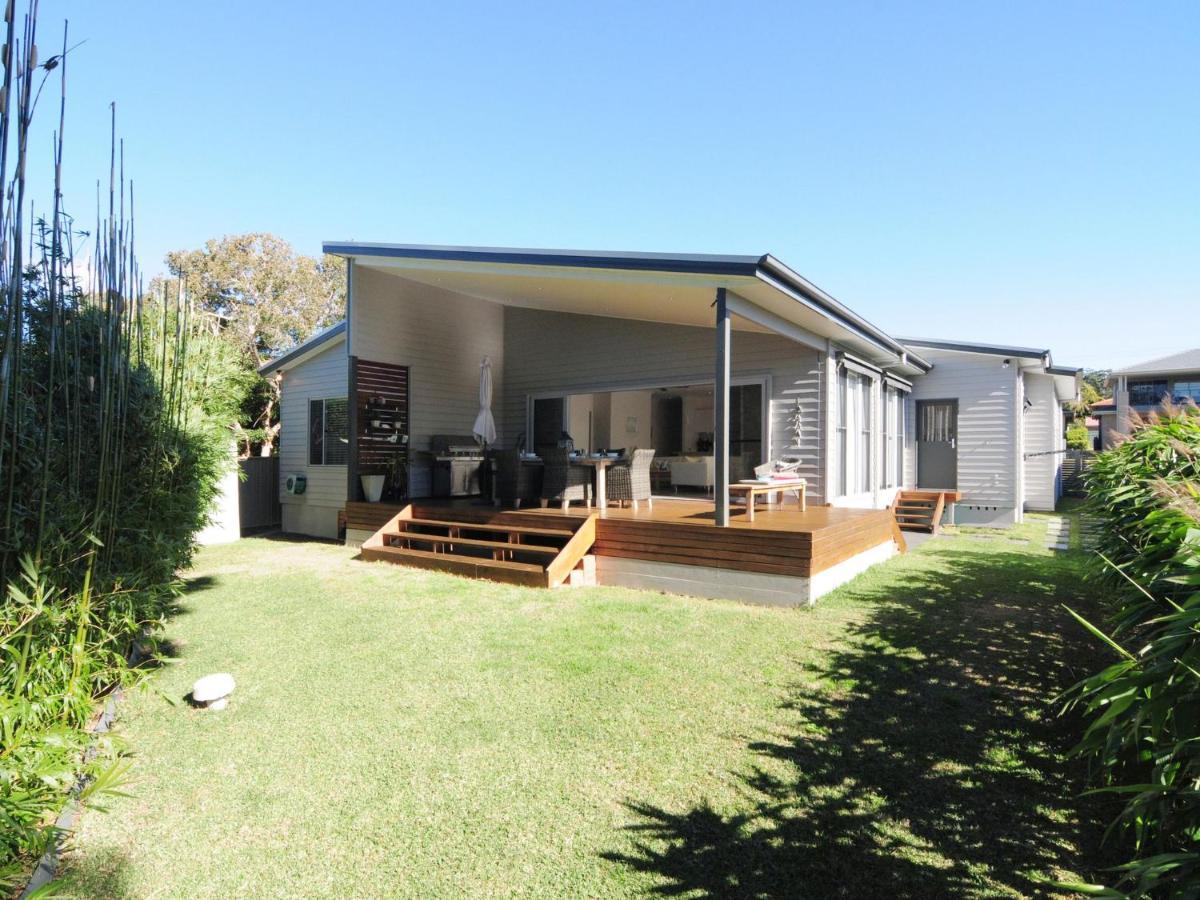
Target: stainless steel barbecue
(457, 459)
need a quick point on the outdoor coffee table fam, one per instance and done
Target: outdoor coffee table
(751, 490)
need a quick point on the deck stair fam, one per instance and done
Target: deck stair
(919, 510)
(484, 543)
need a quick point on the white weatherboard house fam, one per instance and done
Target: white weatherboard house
(718, 363)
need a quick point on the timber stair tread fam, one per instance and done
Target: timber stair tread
(468, 525)
(418, 537)
(919, 510)
(479, 561)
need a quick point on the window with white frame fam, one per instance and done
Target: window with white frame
(866, 456)
(855, 453)
(893, 436)
(328, 432)
(891, 408)
(841, 439)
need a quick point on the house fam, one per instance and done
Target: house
(1104, 412)
(1142, 388)
(720, 363)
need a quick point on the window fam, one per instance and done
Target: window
(328, 432)
(893, 441)
(854, 434)
(1185, 391)
(842, 399)
(1147, 393)
(865, 456)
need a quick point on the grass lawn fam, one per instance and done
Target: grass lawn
(398, 732)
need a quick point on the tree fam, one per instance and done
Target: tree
(1097, 381)
(265, 298)
(1092, 389)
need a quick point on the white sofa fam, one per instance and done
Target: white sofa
(692, 471)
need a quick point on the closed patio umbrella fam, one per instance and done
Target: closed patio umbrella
(485, 425)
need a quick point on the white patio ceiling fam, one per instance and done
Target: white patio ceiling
(683, 298)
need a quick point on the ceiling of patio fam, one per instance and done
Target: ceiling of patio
(653, 296)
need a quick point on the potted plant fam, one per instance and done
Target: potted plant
(372, 484)
(397, 476)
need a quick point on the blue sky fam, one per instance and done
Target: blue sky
(1018, 173)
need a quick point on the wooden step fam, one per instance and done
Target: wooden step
(487, 526)
(529, 574)
(557, 551)
(919, 510)
(417, 537)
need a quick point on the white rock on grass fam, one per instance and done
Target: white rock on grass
(212, 691)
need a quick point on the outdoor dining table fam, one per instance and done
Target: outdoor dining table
(599, 463)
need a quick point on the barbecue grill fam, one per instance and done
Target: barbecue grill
(457, 459)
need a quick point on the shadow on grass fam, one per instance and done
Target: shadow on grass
(925, 758)
(288, 537)
(198, 583)
(103, 873)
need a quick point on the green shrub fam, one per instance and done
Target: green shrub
(112, 444)
(108, 489)
(1144, 709)
(1078, 437)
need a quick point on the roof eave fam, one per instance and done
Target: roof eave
(967, 347)
(301, 351)
(841, 313)
(697, 264)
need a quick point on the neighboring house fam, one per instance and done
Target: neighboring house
(1144, 387)
(1092, 424)
(865, 413)
(1104, 412)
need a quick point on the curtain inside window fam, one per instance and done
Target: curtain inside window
(936, 423)
(328, 432)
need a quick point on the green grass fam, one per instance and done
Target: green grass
(397, 732)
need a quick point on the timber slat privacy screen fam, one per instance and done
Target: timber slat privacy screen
(381, 401)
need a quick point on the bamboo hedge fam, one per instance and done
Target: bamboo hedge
(1143, 735)
(112, 408)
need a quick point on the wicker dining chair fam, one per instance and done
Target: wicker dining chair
(631, 481)
(515, 482)
(563, 482)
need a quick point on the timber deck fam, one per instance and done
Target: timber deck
(781, 540)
